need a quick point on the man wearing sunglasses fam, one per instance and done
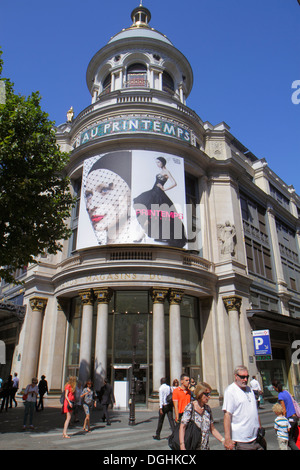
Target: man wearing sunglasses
(241, 421)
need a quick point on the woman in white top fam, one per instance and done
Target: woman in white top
(31, 393)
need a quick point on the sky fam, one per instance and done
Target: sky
(244, 55)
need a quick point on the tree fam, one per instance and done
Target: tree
(35, 199)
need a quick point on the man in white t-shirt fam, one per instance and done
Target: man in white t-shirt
(241, 421)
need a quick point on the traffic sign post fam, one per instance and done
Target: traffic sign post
(262, 345)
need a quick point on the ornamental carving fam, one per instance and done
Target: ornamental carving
(158, 295)
(103, 295)
(38, 304)
(232, 303)
(175, 296)
(227, 238)
(87, 297)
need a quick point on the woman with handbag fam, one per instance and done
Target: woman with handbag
(69, 403)
(197, 420)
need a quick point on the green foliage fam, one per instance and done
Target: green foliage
(35, 200)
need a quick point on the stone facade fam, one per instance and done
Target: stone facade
(237, 272)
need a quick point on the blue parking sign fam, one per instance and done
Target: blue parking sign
(262, 342)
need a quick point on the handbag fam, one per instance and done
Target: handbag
(260, 438)
(169, 398)
(296, 406)
(192, 436)
(24, 397)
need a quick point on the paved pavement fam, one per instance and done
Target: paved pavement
(120, 436)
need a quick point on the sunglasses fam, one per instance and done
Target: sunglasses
(243, 377)
(207, 394)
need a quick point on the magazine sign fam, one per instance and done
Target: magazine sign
(262, 345)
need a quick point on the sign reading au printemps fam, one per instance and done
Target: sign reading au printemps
(134, 125)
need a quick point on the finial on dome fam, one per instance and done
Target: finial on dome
(141, 16)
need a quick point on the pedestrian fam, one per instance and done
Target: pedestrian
(282, 427)
(89, 401)
(165, 408)
(286, 401)
(78, 401)
(255, 386)
(192, 387)
(106, 398)
(6, 393)
(200, 413)
(15, 387)
(43, 388)
(175, 384)
(30, 396)
(181, 397)
(241, 420)
(69, 402)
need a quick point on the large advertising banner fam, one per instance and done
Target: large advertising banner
(132, 197)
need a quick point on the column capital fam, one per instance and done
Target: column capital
(38, 304)
(175, 296)
(103, 295)
(232, 303)
(158, 294)
(86, 296)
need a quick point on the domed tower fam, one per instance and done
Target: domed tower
(131, 151)
(135, 261)
(141, 58)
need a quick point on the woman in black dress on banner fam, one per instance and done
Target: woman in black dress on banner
(156, 212)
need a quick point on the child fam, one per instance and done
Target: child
(281, 426)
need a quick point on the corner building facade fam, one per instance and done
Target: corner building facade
(184, 300)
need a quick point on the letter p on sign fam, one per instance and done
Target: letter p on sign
(258, 343)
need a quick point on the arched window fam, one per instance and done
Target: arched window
(107, 84)
(137, 76)
(167, 83)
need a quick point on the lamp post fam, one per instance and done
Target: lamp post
(132, 382)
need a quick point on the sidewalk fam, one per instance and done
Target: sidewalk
(48, 424)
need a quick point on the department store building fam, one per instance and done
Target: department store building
(183, 243)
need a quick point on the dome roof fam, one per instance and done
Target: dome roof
(140, 28)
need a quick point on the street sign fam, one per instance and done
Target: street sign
(262, 345)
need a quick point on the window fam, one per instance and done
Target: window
(289, 254)
(167, 82)
(106, 85)
(256, 237)
(75, 215)
(276, 194)
(137, 76)
(192, 199)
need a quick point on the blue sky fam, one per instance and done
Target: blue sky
(245, 57)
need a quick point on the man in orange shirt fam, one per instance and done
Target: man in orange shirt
(181, 397)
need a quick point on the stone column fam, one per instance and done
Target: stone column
(158, 326)
(175, 298)
(38, 305)
(233, 306)
(103, 298)
(85, 356)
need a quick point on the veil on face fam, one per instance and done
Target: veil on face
(107, 190)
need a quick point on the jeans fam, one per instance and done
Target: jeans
(29, 410)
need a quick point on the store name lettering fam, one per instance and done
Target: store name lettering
(133, 125)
